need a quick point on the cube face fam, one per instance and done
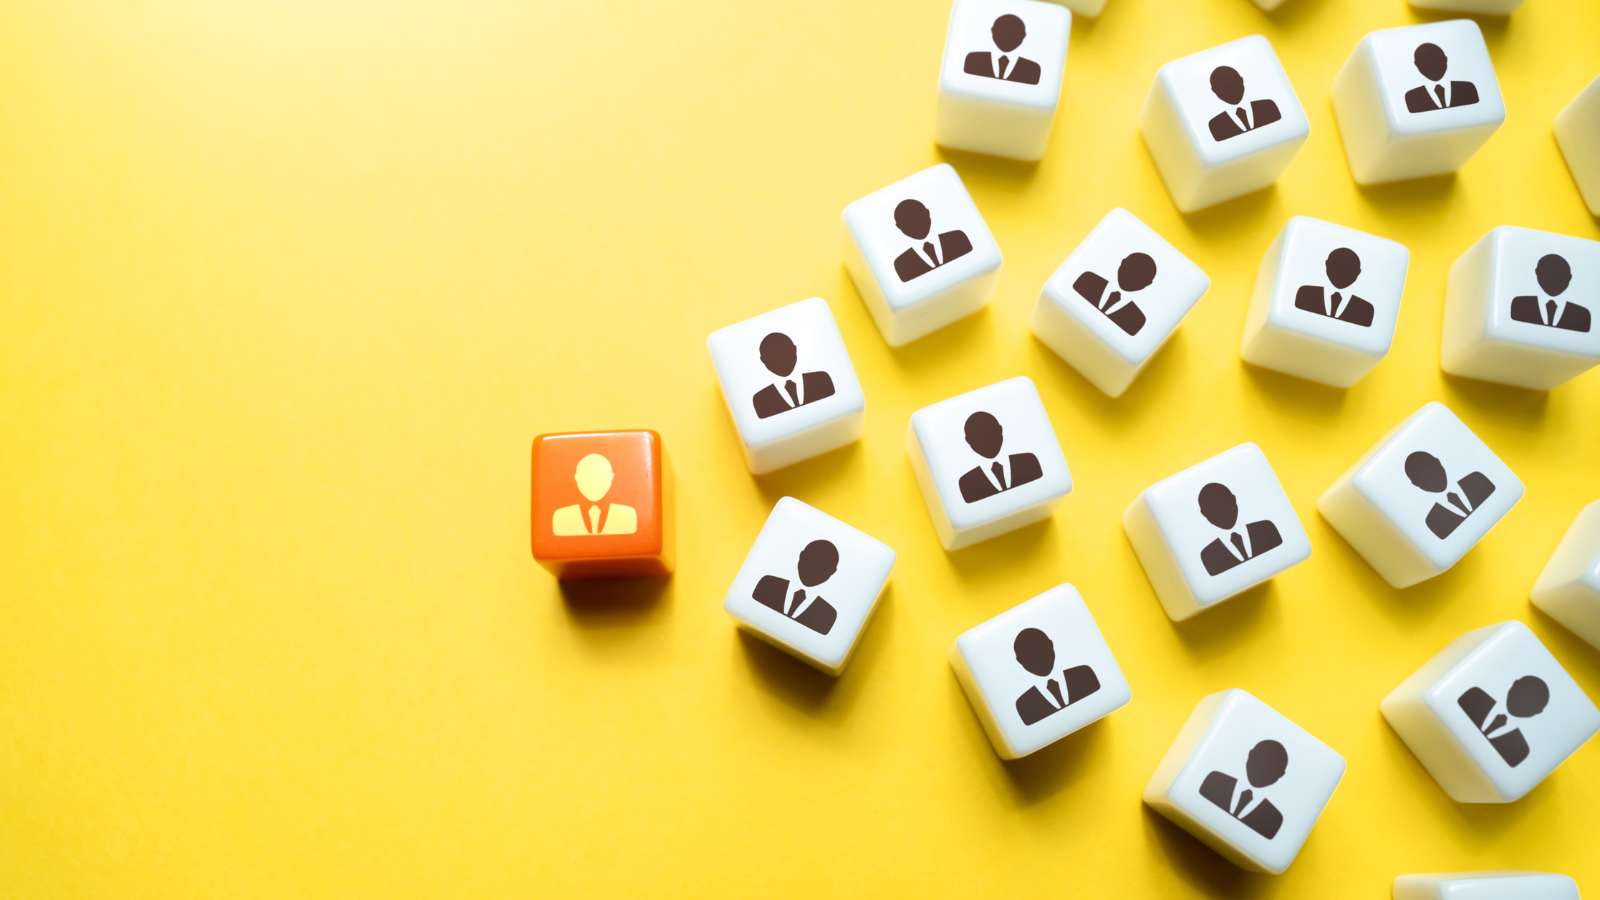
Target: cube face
(789, 385)
(920, 254)
(1504, 885)
(1577, 131)
(810, 584)
(1222, 122)
(1001, 76)
(1246, 780)
(602, 505)
(1116, 300)
(1568, 589)
(1492, 715)
(1325, 302)
(1215, 530)
(1038, 672)
(1520, 308)
(987, 462)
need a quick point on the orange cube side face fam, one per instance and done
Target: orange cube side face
(602, 505)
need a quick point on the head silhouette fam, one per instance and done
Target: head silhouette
(1554, 274)
(1343, 267)
(778, 354)
(1527, 697)
(1227, 84)
(1035, 652)
(594, 477)
(913, 219)
(984, 435)
(1008, 32)
(818, 561)
(1136, 272)
(1267, 763)
(1431, 61)
(1426, 472)
(1218, 505)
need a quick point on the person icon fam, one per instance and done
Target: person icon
(1432, 63)
(818, 561)
(594, 477)
(779, 355)
(1343, 267)
(1228, 85)
(1528, 697)
(1266, 764)
(985, 437)
(1037, 654)
(1554, 274)
(914, 221)
(1008, 33)
(1221, 508)
(1427, 473)
(1136, 273)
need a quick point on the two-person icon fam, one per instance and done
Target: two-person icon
(1221, 508)
(1008, 32)
(1528, 697)
(1267, 762)
(914, 221)
(1432, 63)
(1427, 473)
(1554, 275)
(1136, 273)
(779, 355)
(1228, 85)
(1037, 654)
(986, 437)
(594, 477)
(1343, 267)
(817, 563)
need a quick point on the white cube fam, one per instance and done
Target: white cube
(788, 383)
(810, 584)
(1222, 123)
(1001, 76)
(987, 462)
(1578, 135)
(1325, 302)
(1568, 589)
(1491, 715)
(1116, 300)
(1417, 100)
(1503, 885)
(920, 254)
(1038, 672)
(1519, 309)
(1423, 496)
(1215, 530)
(1245, 780)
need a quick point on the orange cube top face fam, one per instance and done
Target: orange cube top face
(602, 505)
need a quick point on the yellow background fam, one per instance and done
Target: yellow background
(287, 288)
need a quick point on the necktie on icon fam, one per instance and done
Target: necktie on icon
(1239, 543)
(1055, 691)
(1439, 89)
(1244, 801)
(794, 392)
(1003, 63)
(1550, 312)
(594, 519)
(1244, 120)
(999, 474)
(1334, 301)
(933, 255)
(794, 604)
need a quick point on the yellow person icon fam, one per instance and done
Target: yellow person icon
(594, 478)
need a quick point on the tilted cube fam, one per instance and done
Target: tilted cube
(1215, 530)
(987, 462)
(1503, 885)
(1519, 308)
(1491, 715)
(1038, 672)
(810, 584)
(1423, 496)
(1116, 300)
(920, 254)
(787, 381)
(1578, 135)
(1568, 589)
(1222, 123)
(1001, 77)
(1245, 780)
(1325, 302)
(602, 505)
(1417, 100)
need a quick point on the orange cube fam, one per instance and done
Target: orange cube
(602, 505)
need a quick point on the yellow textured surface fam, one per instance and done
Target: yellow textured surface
(287, 288)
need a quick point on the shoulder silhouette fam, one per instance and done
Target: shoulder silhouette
(1228, 85)
(1135, 273)
(915, 222)
(1432, 63)
(818, 561)
(1554, 274)
(985, 437)
(1008, 33)
(1343, 267)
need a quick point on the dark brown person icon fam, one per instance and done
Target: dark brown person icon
(1008, 32)
(985, 437)
(1037, 654)
(1528, 697)
(1221, 508)
(779, 355)
(914, 220)
(1343, 267)
(1136, 273)
(1427, 473)
(1554, 275)
(1228, 85)
(1266, 764)
(818, 561)
(1432, 63)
